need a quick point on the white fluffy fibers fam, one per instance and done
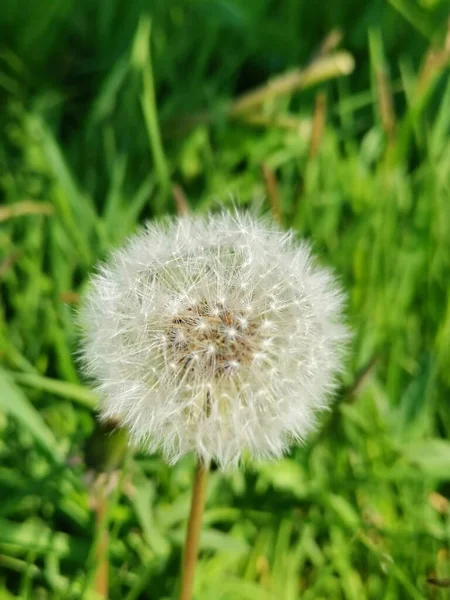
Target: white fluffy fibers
(217, 335)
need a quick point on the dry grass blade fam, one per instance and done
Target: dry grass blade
(287, 122)
(8, 262)
(318, 124)
(329, 43)
(272, 192)
(27, 207)
(360, 379)
(385, 103)
(436, 59)
(181, 202)
(321, 69)
(324, 65)
(439, 502)
(444, 583)
(70, 297)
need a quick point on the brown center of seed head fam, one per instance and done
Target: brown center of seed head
(212, 340)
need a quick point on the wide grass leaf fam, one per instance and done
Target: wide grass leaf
(72, 391)
(14, 403)
(35, 536)
(432, 456)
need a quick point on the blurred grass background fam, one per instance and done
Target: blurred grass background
(104, 107)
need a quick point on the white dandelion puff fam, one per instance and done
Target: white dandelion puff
(218, 335)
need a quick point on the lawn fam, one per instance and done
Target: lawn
(334, 119)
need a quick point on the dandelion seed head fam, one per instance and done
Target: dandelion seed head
(218, 335)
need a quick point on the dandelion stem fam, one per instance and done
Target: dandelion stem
(193, 530)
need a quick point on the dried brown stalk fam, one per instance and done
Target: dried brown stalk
(181, 201)
(443, 583)
(193, 531)
(8, 262)
(321, 69)
(324, 66)
(436, 59)
(69, 297)
(272, 192)
(318, 124)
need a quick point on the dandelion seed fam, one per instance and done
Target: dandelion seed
(217, 335)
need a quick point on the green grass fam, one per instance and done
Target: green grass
(103, 107)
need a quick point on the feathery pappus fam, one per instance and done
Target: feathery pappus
(214, 334)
